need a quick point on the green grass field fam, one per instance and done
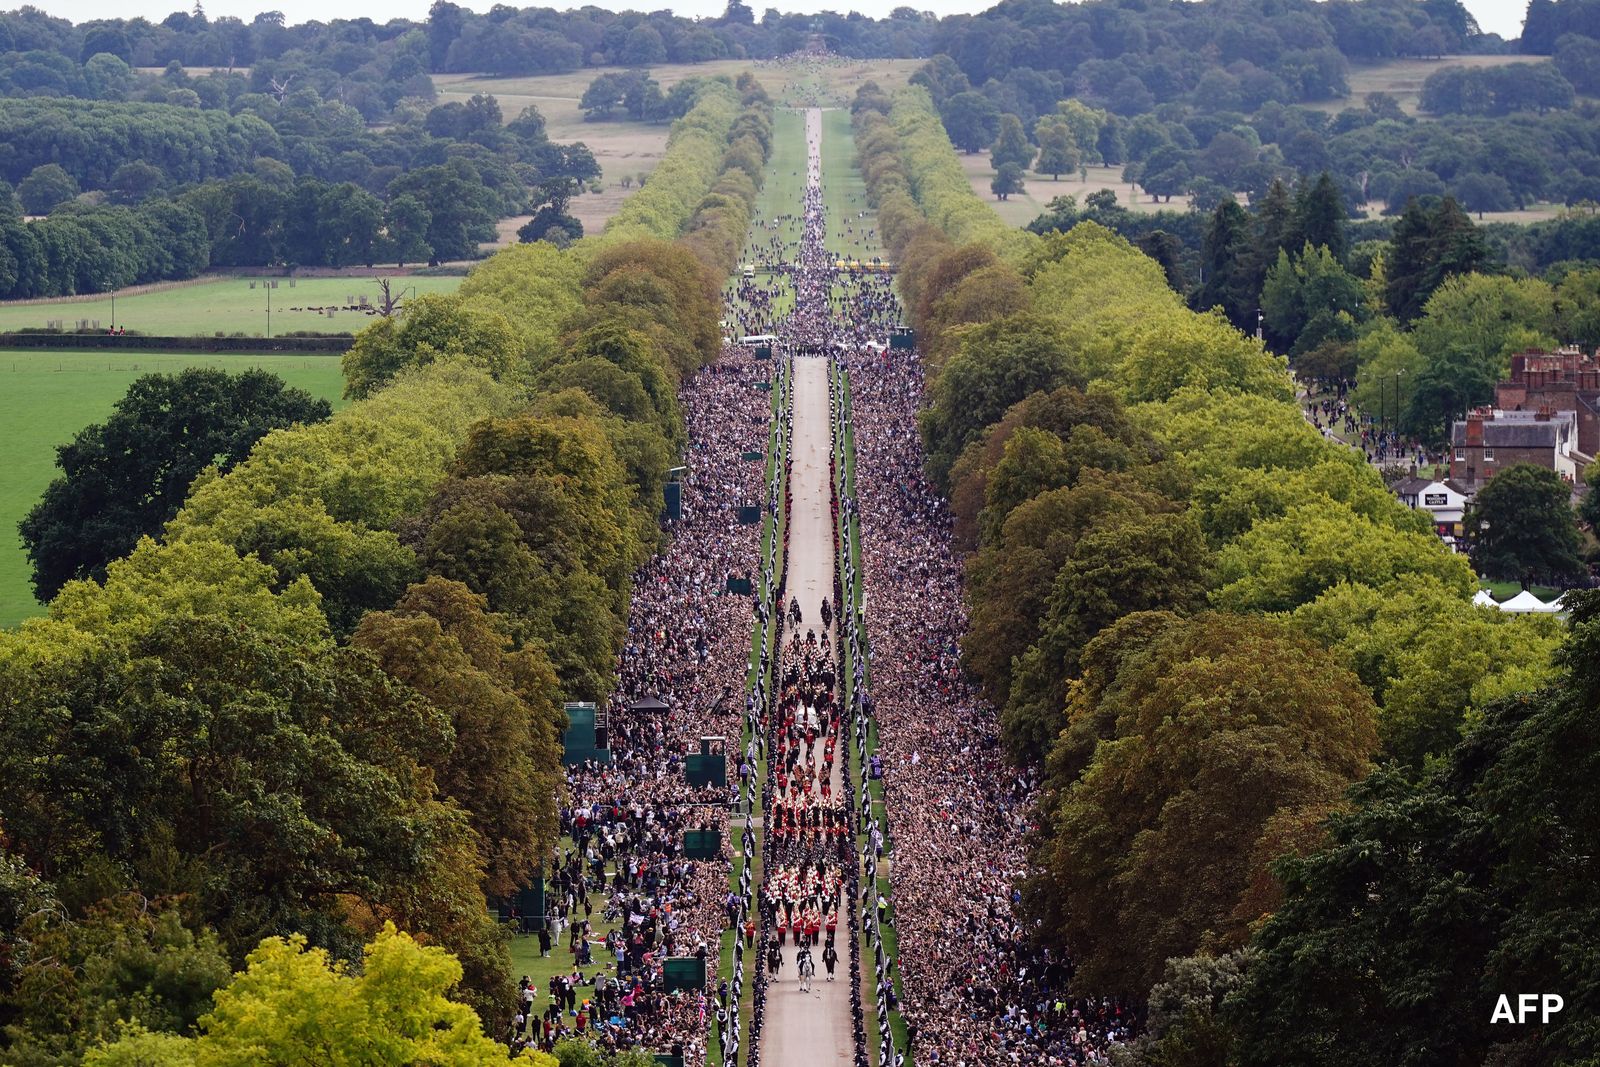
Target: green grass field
(226, 305)
(781, 193)
(525, 958)
(46, 397)
(844, 192)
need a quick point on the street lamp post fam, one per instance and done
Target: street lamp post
(1397, 400)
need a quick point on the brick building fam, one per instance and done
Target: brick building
(1489, 440)
(1564, 380)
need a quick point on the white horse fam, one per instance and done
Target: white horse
(807, 968)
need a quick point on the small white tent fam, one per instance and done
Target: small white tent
(1525, 603)
(1483, 599)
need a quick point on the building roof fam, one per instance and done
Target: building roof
(1413, 486)
(1519, 429)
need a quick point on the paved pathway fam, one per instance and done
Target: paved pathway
(806, 1029)
(811, 1029)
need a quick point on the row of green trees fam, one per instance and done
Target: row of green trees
(262, 219)
(126, 208)
(1200, 618)
(327, 695)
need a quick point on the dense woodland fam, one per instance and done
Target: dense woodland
(124, 192)
(1210, 629)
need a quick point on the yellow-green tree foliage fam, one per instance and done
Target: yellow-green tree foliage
(322, 501)
(716, 232)
(940, 186)
(1430, 658)
(535, 287)
(435, 328)
(693, 160)
(295, 1004)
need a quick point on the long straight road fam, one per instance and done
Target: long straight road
(811, 1028)
(803, 1029)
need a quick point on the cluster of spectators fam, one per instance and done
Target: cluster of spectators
(679, 680)
(1328, 407)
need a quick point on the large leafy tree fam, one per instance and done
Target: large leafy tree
(1433, 898)
(435, 327)
(1223, 741)
(1444, 389)
(1431, 658)
(538, 520)
(504, 769)
(1058, 152)
(124, 478)
(1309, 300)
(1292, 559)
(1094, 432)
(296, 1004)
(1007, 181)
(76, 980)
(1521, 527)
(269, 780)
(972, 120)
(1126, 562)
(998, 364)
(1011, 146)
(1009, 580)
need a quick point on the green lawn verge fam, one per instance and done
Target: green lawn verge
(226, 305)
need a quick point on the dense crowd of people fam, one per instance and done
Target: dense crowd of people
(687, 642)
(1330, 407)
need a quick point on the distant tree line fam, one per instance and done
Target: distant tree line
(136, 193)
(1487, 155)
(1132, 58)
(372, 66)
